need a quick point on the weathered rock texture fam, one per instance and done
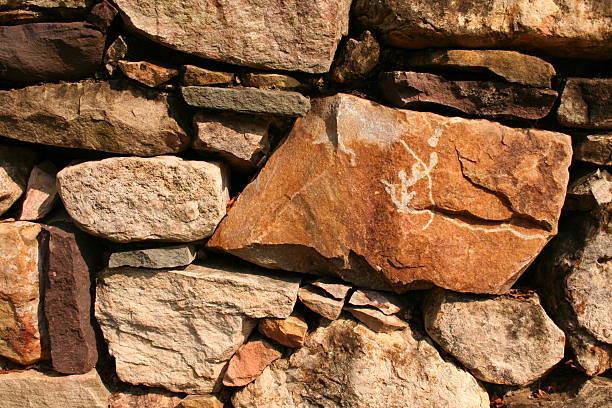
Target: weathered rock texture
(344, 364)
(249, 362)
(155, 258)
(147, 73)
(589, 191)
(575, 277)
(22, 327)
(595, 149)
(164, 198)
(356, 59)
(32, 388)
(510, 65)
(69, 262)
(376, 320)
(325, 306)
(177, 328)
(15, 166)
(192, 75)
(49, 51)
(143, 399)
(270, 81)
(389, 198)
(41, 193)
(482, 98)
(290, 331)
(201, 401)
(561, 28)
(247, 100)
(503, 340)
(296, 36)
(241, 140)
(107, 116)
(585, 103)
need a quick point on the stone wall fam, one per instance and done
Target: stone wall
(327, 203)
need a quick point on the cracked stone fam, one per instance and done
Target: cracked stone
(377, 320)
(589, 191)
(386, 303)
(443, 203)
(15, 166)
(332, 288)
(322, 305)
(585, 103)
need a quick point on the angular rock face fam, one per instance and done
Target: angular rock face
(376, 320)
(345, 364)
(323, 305)
(143, 399)
(241, 140)
(49, 51)
(296, 37)
(202, 401)
(596, 149)
(510, 65)
(388, 198)
(502, 340)
(195, 76)
(289, 332)
(589, 191)
(202, 315)
(147, 73)
(15, 166)
(481, 98)
(165, 198)
(22, 327)
(32, 388)
(108, 116)
(247, 100)
(41, 193)
(155, 258)
(575, 277)
(585, 103)
(561, 28)
(356, 59)
(270, 81)
(76, 4)
(68, 265)
(248, 362)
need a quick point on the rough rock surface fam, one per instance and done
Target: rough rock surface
(208, 310)
(585, 103)
(249, 362)
(502, 340)
(320, 304)
(115, 52)
(481, 98)
(443, 203)
(22, 327)
(147, 73)
(510, 65)
(356, 59)
(589, 191)
(154, 258)
(386, 303)
(49, 51)
(202, 401)
(68, 265)
(247, 100)
(270, 81)
(108, 116)
(165, 198)
(376, 320)
(74, 4)
(194, 76)
(296, 37)
(32, 388)
(575, 278)
(144, 399)
(15, 166)
(41, 193)
(345, 364)
(332, 288)
(596, 149)
(241, 140)
(290, 331)
(561, 28)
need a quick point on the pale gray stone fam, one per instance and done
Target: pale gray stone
(503, 340)
(73, 4)
(126, 199)
(15, 166)
(31, 388)
(154, 258)
(345, 364)
(177, 328)
(247, 100)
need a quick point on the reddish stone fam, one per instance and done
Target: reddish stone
(68, 301)
(249, 362)
(102, 15)
(41, 193)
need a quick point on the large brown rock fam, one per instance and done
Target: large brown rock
(390, 198)
(585, 103)
(575, 276)
(164, 198)
(22, 326)
(345, 364)
(561, 28)
(49, 51)
(68, 305)
(108, 116)
(15, 166)
(294, 36)
(480, 98)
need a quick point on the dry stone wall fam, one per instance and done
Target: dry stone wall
(332, 203)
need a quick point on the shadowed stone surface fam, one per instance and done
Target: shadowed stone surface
(394, 199)
(502, 340)
(15, 166)
(297, 36)
(323, 305)
(41, 194)
(356, 59)
(585, 103)
(561, 28)
(345, 364)
(596, 149)
(164, 198)
(109, 116)
(202, 315)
